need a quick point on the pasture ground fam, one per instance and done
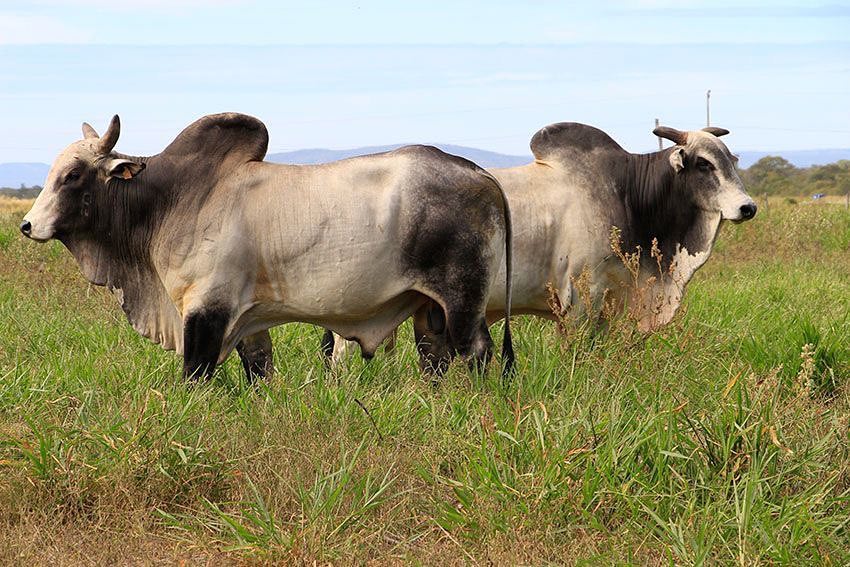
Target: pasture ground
(724, 438)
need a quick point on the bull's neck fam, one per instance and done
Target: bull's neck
(123, 217)
(115, 248)
(659, 207)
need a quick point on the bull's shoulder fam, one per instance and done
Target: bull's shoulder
(564, 137)
(229, 135)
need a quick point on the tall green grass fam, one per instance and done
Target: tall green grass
(721, 439)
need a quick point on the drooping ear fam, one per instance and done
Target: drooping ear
(676, 136)
(677, 159)
(716, 131)
(88, 131)
(110, 138)
(121, 168)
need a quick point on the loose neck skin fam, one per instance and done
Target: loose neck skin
(114, 244)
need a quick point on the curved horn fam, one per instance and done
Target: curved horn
(716, 131)
(88, 131)
(676, 136)
(110, 138)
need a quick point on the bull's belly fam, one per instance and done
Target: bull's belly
(359, 294)
(321, 304)
(368, 322)
(332, 289)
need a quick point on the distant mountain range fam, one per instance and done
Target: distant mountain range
(14, 174)
(483, 158)
(29, 174)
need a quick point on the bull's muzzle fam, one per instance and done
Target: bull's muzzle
(748, 211)
(26, 228)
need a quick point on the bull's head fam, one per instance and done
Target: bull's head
(709, 173)
(81, 169)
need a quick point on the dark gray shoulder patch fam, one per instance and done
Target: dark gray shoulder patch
(570, 136)
(218, 135)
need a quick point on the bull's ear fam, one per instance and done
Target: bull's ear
(677, 159)
(121, 168)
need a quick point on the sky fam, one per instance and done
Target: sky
(488, 74)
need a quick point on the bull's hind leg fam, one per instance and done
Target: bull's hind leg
(465, 307)
(461, 329)
(203, 334)
(470, 338)
(256, 354)
(462, 321)
(432, 340)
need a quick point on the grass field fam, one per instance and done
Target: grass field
(723, 439)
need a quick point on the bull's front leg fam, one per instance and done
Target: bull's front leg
(203, 334)
(256, 354)
(327, 346)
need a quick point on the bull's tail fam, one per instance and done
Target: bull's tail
(508, 357)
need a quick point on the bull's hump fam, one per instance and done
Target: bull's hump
(229, 135)
(563, 137)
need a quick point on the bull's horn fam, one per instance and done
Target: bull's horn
(676, 136)
(716, 131)
(110, 138)
(88, 131)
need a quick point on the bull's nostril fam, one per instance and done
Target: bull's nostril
(748, 211)
(26, 227)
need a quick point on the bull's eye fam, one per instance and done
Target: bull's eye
(72, 176)
(704, 165)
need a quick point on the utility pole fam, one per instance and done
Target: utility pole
(707, 108)
(657, 124)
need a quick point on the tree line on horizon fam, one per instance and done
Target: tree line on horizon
(776, 176)
(771, 176)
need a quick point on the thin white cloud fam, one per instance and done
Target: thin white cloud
(29, 29)
(686, 5)
(500, 78)
(134, 6)
(733, 8)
